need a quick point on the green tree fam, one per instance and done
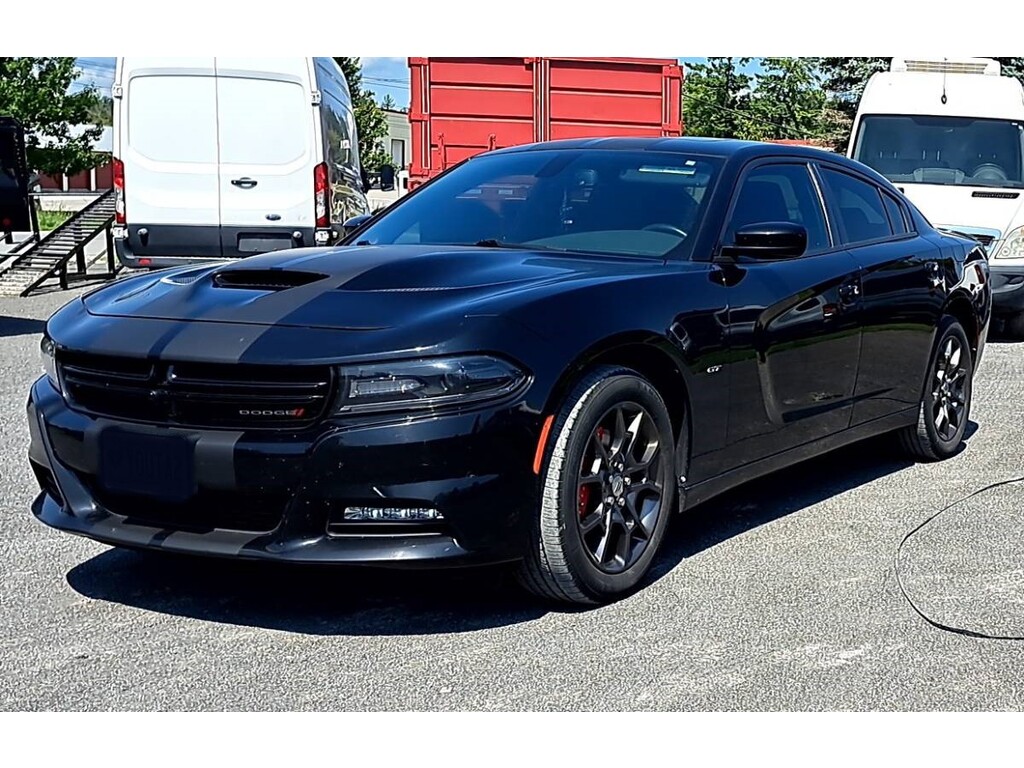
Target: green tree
(844, 78)
(371, 122)
(716, 97)
(787, 101)
(35, 90)
(102, 111)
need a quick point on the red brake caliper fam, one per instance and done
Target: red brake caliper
(584, 497)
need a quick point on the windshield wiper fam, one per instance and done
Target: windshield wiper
(492, 243)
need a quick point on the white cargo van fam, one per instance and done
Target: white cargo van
(949, 133)
(228, 157)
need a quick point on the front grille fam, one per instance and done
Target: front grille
(985, 240)
(229, 396)
(206, 511)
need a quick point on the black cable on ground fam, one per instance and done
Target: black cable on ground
(909, 599)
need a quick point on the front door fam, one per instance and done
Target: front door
(793, 331)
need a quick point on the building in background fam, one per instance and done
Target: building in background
(398, 138)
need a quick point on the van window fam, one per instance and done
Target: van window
(942, 150)
(172, 118)
(862, 215)
(339, 124)
(263, 122)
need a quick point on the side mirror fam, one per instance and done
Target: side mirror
(355, 223)
(387, 178)
(769, 240)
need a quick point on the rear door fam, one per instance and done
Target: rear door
(267, 139)
(793, 330)
(901, 300)
(167, 115)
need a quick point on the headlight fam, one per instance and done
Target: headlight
(46, 351)
(424, 384)
(1012, 247)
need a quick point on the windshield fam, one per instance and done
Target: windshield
(642, 204)
(942, 150)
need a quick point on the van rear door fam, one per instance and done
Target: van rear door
(168, 143)
(267, 139)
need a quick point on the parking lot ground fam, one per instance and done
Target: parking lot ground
(780, 595)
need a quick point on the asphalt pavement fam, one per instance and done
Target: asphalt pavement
(781, 595)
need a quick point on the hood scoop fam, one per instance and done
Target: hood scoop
(265, 279)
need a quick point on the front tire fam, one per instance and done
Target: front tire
(607, 490)
(945, 403)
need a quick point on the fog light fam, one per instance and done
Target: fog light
(391, 514)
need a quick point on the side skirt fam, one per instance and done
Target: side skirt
(697, 494)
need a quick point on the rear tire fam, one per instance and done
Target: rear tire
(607, 491)
(945, 405)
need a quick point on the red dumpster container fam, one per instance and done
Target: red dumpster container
(464, 106)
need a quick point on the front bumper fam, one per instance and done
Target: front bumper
(1007, 288)
(287, 492)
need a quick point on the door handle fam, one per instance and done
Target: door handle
(849, 293)
(245, 182)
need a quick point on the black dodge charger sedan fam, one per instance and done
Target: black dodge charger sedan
(539, 357)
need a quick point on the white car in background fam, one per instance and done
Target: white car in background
(949, 133)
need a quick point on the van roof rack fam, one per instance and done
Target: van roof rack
(966, 66)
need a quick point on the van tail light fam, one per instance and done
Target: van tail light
(119, 217)
(322, 196)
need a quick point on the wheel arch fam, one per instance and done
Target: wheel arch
(960, 307)
(653, 357)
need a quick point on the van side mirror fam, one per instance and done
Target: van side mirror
(767, 240)
(387, 178)
(355, 223)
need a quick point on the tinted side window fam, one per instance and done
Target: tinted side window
(896, 217)
(859, 206)
(780, 193)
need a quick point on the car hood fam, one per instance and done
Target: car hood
(348, 288)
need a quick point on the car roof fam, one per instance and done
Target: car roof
(733, 149)
(687, 144)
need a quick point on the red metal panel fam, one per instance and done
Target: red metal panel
(463, 106)
(481, 102)
(105, 176)
(609, 109)
(52, 182)
(80, 182)
(489, 73)
(609, 78)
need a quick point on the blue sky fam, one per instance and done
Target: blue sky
(383, 76)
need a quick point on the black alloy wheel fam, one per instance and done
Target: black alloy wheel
(606, 491)
(620, 487)
(945, 405)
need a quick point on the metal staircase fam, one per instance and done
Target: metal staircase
(49, 258)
